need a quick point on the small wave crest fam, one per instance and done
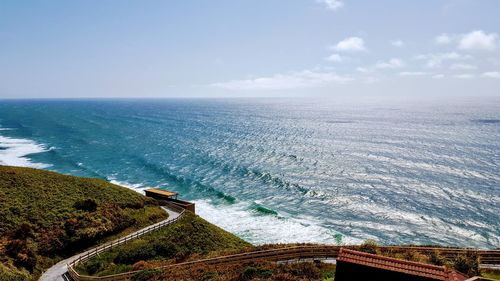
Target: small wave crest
(261, 210)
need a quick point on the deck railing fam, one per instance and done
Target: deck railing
(295, 253)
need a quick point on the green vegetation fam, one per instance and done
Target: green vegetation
(191, 237)
(466, 263)
(491, 274)
(47, 216)
(257, 270)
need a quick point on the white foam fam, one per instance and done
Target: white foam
(258, 229)
(264, 229)
(137, 187)
(14, 152)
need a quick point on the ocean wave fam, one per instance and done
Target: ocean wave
(259, 229)
(256, 174)
(261, 210)
(14, 152)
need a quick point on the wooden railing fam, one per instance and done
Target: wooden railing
(298, 253)
(99, 249)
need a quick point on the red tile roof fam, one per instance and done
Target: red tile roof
(407, 267)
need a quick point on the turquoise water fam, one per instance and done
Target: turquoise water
(285, 171)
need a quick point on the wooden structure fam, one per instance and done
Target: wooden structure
(171, 197)
(161, 194)
(354, 265)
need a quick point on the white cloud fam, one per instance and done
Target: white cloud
(413, 73)
(464, 76)
(350, 44)
(293, 80)
(392, 63)
(478, 40)
(334, 58)
(492, 74)
(436, 60)
(362, 69)
(332, 4)
(462, 66)
(397, 43)
(443, 39)
(438, 76)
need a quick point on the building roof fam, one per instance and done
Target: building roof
(392, 264)
(162, 192)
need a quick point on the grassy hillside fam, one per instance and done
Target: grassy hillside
(191, 237)
(45, 216)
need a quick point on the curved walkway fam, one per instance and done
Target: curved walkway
(57, 271)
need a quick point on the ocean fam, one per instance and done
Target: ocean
(281, 170)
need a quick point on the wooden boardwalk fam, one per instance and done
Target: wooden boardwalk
(61, 270)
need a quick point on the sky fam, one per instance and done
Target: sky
(249, 48)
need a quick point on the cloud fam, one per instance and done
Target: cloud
(436, 60)
(492, 74)
(438, 76)
(443, 39)
(334, 58)
(363, 69)
(478, 40)
(464, 76)
(413, 73)
(397, 43)
(350, 44)
(462, 66)
(392, 63)
(332, 4)
(293, 80)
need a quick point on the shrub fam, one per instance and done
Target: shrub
(89, 205)
(51, 240)
(284, 277)
(412, 255)
(93, 265)
(23, 231)
(369, 246)
(133, 254)
(7, 274)
(145, 275)
(252, 272)
(436, 258)
(467, 264)
(140, 265)
(209, 275)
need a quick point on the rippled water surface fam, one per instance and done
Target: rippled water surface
(281, 171)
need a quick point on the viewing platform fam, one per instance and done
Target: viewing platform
(169, 196)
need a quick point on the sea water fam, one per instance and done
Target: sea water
(278, 170)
